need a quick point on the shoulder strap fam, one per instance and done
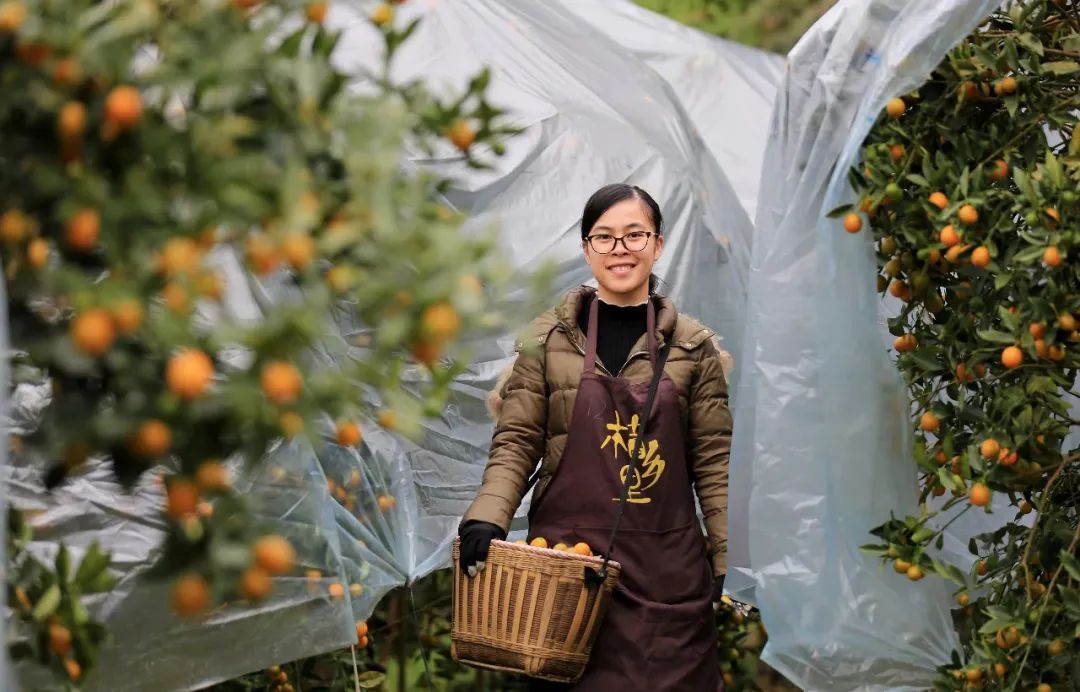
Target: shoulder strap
(597, 577)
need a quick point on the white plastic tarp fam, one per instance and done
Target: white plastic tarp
(821, 409)
(606, 92)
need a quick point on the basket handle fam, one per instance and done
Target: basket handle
(595, 577)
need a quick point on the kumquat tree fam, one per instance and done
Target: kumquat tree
(969, 186)
(148, 146)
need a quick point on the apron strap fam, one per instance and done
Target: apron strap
(591, 337)
(650, 329)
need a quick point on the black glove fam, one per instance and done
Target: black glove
(717, 590)
(476, 536)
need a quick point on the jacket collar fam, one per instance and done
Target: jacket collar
(576, 300)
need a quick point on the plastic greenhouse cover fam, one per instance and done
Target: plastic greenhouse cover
(821, 409)
(611, 94)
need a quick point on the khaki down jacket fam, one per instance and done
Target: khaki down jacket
(535, 402)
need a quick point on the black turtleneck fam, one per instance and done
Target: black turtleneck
(618, 329)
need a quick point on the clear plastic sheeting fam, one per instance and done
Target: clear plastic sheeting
(821, 409)
(612, 94)
(605, 92)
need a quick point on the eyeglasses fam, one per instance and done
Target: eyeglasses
(634, 241)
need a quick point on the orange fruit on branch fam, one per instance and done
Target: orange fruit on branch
(190, 595)
(123, 107)
(82, 230)
(939, 200)
(382, 15)
(1052, 257)
(929, 422)
(127, 315)
(980, 257)
(71, 121)
(274, 554)
(895, 107)
(152, 439)
(299, 250)
(1012, 357)
(72, 668)
(281, 382)
(315, 12)
(348, 434)
(1037, 330)
(66, 72)
(182, 498)
(1000, 171)
(1006, 86)
(59, 639)
(461, 134)
(967, 214)
(176, 298)
(989, 449)
(12, 16)
(255, 584)
(949, 236)
(853, 223)
(979, 495)
(189, 373)
(212, 475)
(93, 332)
(37, 253)
(179, 256)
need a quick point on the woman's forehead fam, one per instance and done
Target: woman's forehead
(629, 212)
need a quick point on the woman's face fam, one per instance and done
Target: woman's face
(622, 272)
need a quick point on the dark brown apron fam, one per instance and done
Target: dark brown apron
(659, 632)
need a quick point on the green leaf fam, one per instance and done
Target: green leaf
(1010, 321)
(1012, 104)
(1070, 564)
(840, 211)
(1002, 280)
(949, 572)
(1029, 255)
(371, 679)
(994, 336)
(93, 563)
(926, 361)
(1061, 67)
(1029, 41)
(918, 180)
(63, 564)
(47, 604)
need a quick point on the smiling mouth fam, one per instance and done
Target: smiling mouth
(621, 268)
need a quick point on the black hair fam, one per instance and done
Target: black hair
(610, 195)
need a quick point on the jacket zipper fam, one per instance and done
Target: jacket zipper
(573, 339)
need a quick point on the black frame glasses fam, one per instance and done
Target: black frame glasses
(611, 242)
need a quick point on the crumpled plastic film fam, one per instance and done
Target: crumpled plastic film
(821, 409)
(383, 515)
(605, 92)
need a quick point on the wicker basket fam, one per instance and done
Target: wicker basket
(529, 611)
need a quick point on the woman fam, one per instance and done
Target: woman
(595, 360)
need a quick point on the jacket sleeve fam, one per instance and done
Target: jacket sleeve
(710, 448)
(517, 444)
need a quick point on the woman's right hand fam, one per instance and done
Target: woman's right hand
(476, 537)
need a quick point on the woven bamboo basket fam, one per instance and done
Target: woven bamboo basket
(529, 611)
